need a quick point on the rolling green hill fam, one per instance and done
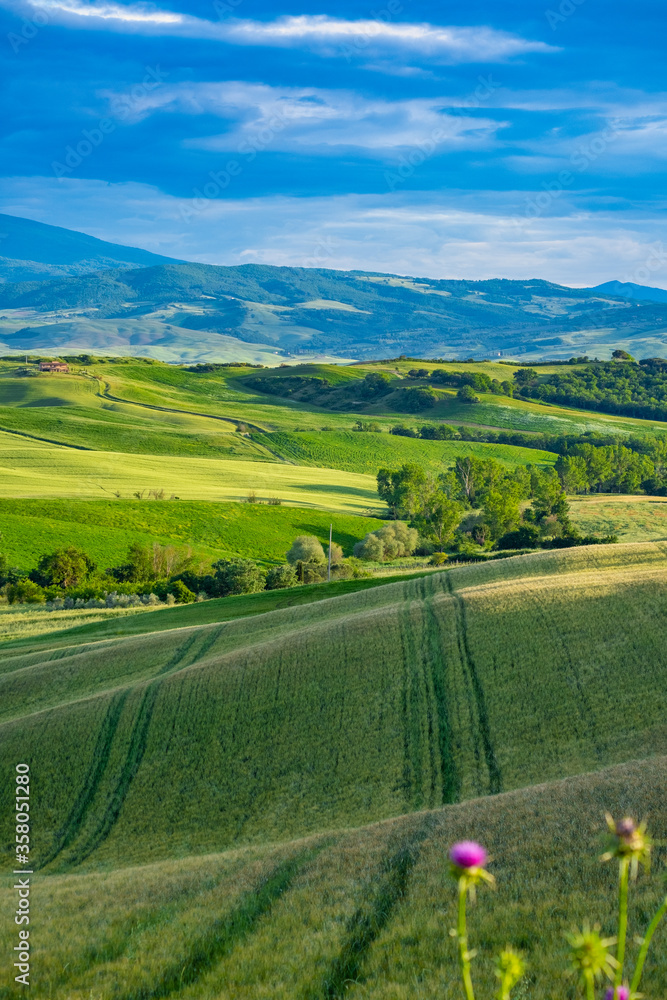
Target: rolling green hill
(447, 707)
(355, 914)
(179, 769)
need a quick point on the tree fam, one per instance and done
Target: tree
(466, 394)
(307, 549)
(523, 376)
(415, 400)
(438, 515)
(400, 488)
(238, 576)
(66, 567)
(502, 508)
(280, 577)
(619, 355)
(182, 593)
(370, 548)
(25, 592)
(336, 554)
(573, 473)
(376, 384)
(392, 541)
(4, 569)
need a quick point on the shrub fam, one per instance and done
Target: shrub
(415, 400)
(336, 554)
(466, 394)
(439, 558)
(404, 431)
(65, 567)
(525, 537)
(182, 593)
(238, 576)
(280, 577)
(371, 548)
(306, 548)
(392, 541)
(25, 592)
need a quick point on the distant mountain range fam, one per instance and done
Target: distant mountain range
(33, 251)
(65, 292)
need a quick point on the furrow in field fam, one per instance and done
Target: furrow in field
(92, 779)
(224, 933)
(135, 754)
(492, 766)
(373, 915)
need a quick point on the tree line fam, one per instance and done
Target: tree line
(481, 502)
(622, 386)
(166, 574)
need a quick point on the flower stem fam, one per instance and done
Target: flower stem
(624, 868)
(646, 944)
(462, 935)
(590, 985)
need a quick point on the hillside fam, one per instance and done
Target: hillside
(356, 914)
(204, 312)
(167, 748)
(33, 251)
(447, 707)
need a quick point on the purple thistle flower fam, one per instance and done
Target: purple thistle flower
(622, 993)
(468, 854)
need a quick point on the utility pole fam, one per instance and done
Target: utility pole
(329, 569)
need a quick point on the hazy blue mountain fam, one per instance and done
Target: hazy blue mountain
(133, 302)
(34, 251)
(629, 290)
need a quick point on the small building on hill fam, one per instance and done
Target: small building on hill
(53, 366)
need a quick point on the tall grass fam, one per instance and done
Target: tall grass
(363, 914)
(348, 710)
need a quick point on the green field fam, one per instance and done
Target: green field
(631, 518)
(106, 528)
(251, 798)
(295, 920)
(31, 468)
(360, 451)
(203, 752)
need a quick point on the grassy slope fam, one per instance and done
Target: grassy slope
(34, 469)
(105, 528)
(42, 629)
(371, 905)
(285, 723)
(632, 518)
(360, 451)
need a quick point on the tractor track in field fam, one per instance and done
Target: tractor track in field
(36, 437)
(92, 780)
(450, 777)
(135, 753)
(470, 673)
(224, 933)
(368, 921)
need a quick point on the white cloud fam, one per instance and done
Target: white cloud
(453, 235)
(313, 119)
(327, 36)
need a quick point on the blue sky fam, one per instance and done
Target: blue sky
(524, 139)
